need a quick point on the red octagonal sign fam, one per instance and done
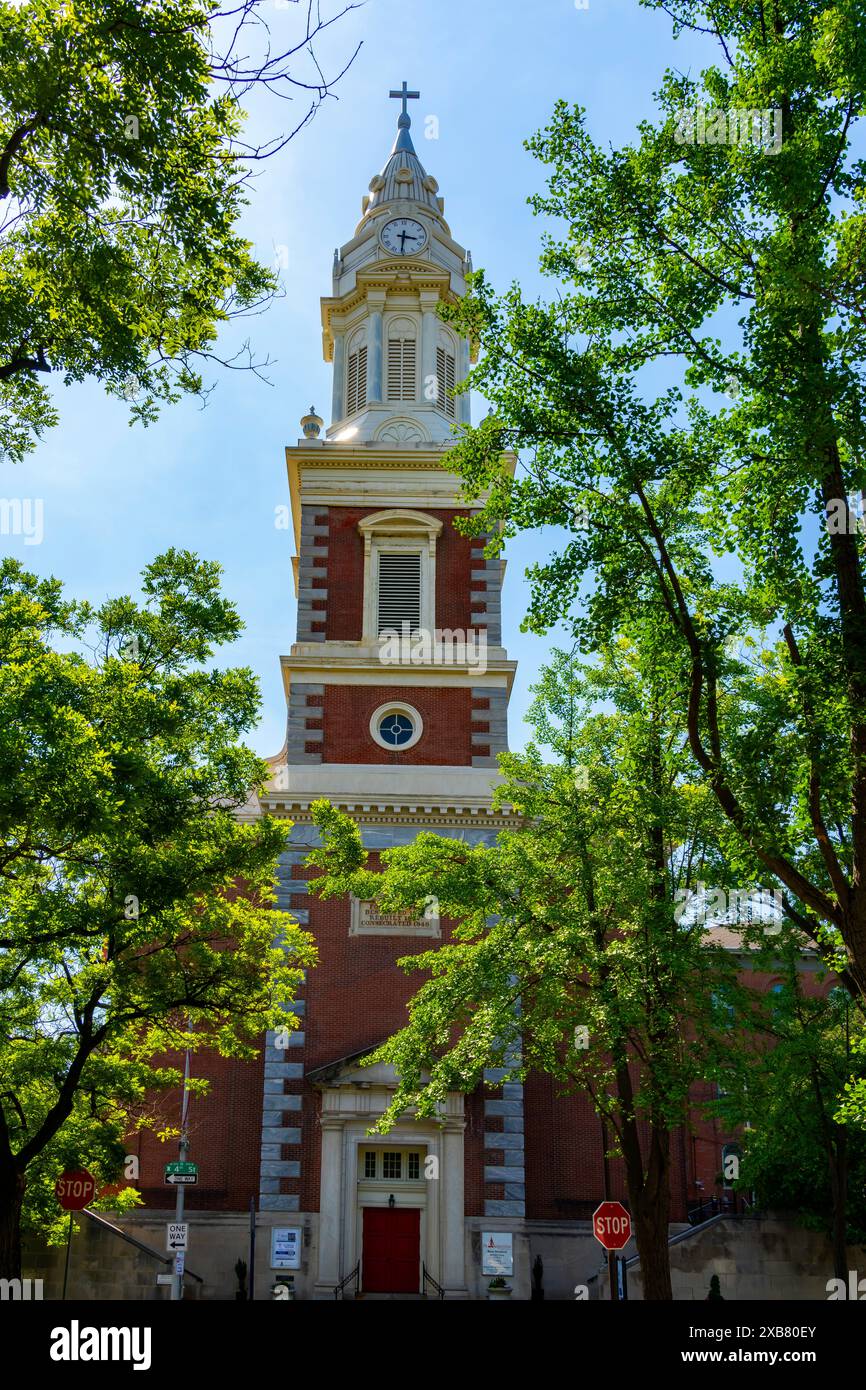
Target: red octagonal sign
(75, 1188)
(611, 1224)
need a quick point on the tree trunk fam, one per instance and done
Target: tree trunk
(650, 1200)
(838, 1159)
(12, 1184)
(649, 1194)
(651, 1233)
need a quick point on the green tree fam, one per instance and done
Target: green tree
(122, 932)
(688, 272)
(123, 172)
(568, 955)
(799, 1154)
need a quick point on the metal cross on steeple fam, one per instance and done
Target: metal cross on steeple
(405, 95)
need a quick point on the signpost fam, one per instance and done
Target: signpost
(611, 1226)
(182, 1169)
(73, 1190)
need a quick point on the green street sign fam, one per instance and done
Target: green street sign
(177, 1168)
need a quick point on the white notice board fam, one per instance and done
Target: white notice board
(285, 1247)
(497, 1253)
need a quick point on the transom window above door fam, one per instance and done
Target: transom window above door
(391, 1165)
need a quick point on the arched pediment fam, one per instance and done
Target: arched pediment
(399, 521)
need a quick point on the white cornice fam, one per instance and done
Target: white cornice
(328, 668)
(396, 276)
(345, 476)
(387, 812)
(382, 789)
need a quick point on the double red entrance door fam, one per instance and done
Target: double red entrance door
(392, 1249)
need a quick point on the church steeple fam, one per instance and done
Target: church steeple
(403, 178)
(396, 364)
(381, 557)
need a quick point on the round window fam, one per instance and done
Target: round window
(395, 729)
(396, 726)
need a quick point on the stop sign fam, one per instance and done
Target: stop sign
(611, 1224)
(75, 1188)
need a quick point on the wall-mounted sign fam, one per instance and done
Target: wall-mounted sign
(368, 920)
(285, 1247)
(497, 1252)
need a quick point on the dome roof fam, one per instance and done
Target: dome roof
(403, 179)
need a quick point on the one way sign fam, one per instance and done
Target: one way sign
(176, 1235)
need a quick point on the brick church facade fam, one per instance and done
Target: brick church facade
(403, 744)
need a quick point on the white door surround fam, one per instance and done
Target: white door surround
(350, 1105)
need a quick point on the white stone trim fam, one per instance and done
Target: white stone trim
(407, 423)
(371, 782)
(311, 669)
(348, 1110)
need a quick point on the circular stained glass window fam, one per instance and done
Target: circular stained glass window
(395, 729)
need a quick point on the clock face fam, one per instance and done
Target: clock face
(403, 235)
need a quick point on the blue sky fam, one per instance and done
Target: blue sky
(210, 480)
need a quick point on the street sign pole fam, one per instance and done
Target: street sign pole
(251, 1277)
(182, 1151)
(611, 1255)
(611, 1226)
(73, 1189)
(66, 1266)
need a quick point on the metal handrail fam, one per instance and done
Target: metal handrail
(681, 1236)
(428, 1279)
(99, 1220)
(704, 1211)
(354, 1274)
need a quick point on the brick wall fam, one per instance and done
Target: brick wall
(355, 998)
(446, 714)
(225, 1136)
(458, 594)
(564, 1157)
(473, 1154)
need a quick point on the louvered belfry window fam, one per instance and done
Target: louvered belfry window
(356, 381)
(445, 378)
(401, 369)
(399, 591)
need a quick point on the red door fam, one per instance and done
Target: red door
(392, 1249)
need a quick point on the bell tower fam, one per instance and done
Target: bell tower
(397, 685)
(395, 363)
(397, 690)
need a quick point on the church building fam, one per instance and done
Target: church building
(404, 737)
